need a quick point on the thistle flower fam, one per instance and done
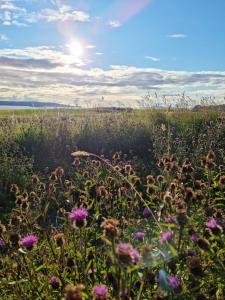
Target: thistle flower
(146, 212)
(194, 237)
(125, 255)
(150, 179)
(195, 266)
(171, 219)
(2, 244)
(212, 224)
(174, 282)
(29, 241)
(160, 178)
(135, 255)
(54, 282)
(34, 179)
(139, 235)
(100, 292)
(165, 237)
(79, 215)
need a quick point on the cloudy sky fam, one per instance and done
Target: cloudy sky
(111, 52)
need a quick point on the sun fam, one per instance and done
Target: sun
(75, 49)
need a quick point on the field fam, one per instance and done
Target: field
(112, 205)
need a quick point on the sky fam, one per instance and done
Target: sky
(111, 52)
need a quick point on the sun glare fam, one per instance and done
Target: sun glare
(75, 49)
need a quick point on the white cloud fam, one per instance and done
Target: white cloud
(177, 36)
(10, 14)
(99, 53)
(90, 46)
(152, 58)
(3, 38)
(115, 23)
(43, 73)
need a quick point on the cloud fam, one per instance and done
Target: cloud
(3, 38)
(90, 46)
(13, 15)
(99, 53)
(152, 58)
(115, 23)
(178, 36)
(43, 73)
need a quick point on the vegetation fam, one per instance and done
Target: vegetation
(114, 205)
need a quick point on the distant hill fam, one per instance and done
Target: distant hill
(35, 104)
(209, 107)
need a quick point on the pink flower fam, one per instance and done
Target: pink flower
(78, 214)
(139, 235)
(135, 255)
(100, 292)
(165, 236)
(212, 224)
(29, 241)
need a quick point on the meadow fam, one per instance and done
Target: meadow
(112, 205)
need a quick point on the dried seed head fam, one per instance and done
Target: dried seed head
(53, 176)
(110, 227)
(74, 292)
(150, 179)
(59, 172)
(34, 179)
(59, 239)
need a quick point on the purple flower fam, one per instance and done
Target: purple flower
(2, 244)
(29, 241)
(78, 214)
(135, 255)
(139, 235)
(174, 282)
(54, 282)
(194, 237)
(147, 212)
(91, 271)
(165, 236)
(171, 219)
(212, 224)
(100, 292)
(190, 252)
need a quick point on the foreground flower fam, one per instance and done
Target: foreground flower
(110, 228)
(139, 235)
(29, 241)
(54, 282)
(212, 223)
(79, 215)
(100, 292)
(126, 254)
(146, 212)
(174, 282)
(2, 244)
(165, 236)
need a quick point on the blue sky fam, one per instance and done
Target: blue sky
(80, 50)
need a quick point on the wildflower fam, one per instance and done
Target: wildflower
(174, 282)
(135, 255)
(59, 172)
(212, 224)
(194, 237)
(147, 212)
(165, 237)
(54, 282)
(171, 219)
(102, 191)
(74, 292)
(110, 228)
(79, 215)
(124, 254)
(29, 241)
(168, 197)
(100, 292)
(53, 176)
(92, 271)
(139, 235)
(2, 244)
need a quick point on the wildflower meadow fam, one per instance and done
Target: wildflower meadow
(112, 205)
